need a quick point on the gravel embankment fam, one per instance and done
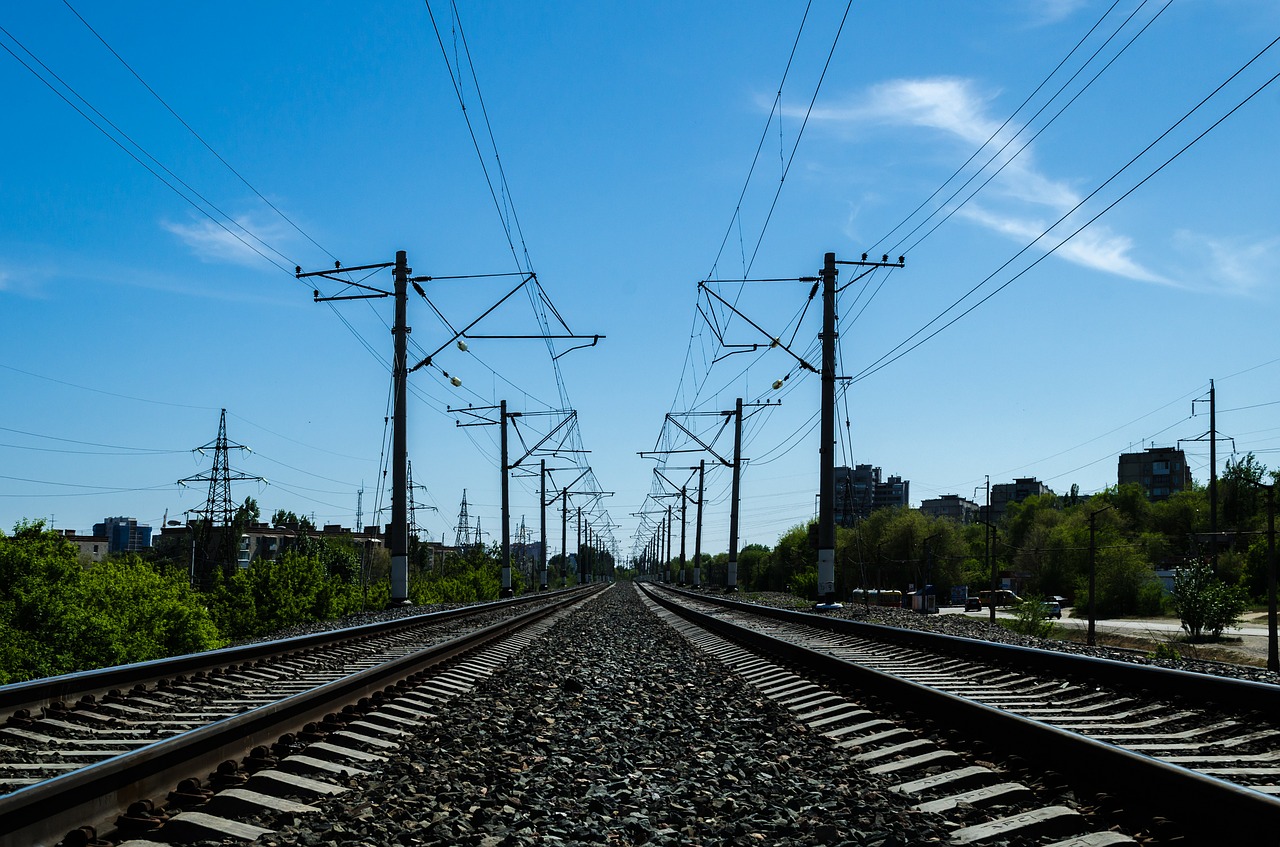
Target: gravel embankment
(967, 627)
(614, 730)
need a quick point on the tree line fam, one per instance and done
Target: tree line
(1043, 543)
(60, 614)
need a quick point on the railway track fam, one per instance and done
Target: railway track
(566, 745)
(1096, 746)
(106, 747)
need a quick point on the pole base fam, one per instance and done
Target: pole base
(505, 593)
(398, 604)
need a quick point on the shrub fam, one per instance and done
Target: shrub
(1029, 619)
(804, 584)
(1205, 603)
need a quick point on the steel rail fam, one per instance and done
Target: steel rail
(41, 814)
(1177, 793)
(71, 687)
(1166, 682)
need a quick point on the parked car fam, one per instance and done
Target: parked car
(1004, 597)
(1050, 609)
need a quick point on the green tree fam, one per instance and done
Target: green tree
(754, 566)
(1243, 500)
(57, 617)
(39, 571)
(126, 612)
(292, 521)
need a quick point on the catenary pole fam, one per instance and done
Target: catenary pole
(731, 582)
(827, 442)
(542, 519)
(399, 439)
(697, 535)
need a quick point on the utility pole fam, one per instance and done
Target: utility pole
(666, 567)
(732, 580)
(506, 504)
(1212, 438)
(1213, 478)
(736, 463)
(400, 372)
(506, 465)
(399, 540)
(987, 531)
(827, 444)
(684, 514)
(542, 521)
(1273, 651)
(697, 543)
(399, 439)
(681, 491)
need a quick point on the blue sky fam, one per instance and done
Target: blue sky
(626, 133)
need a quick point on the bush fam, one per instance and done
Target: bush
(57, 617)
(1029, 619)
(1205, 603)
(804, 584)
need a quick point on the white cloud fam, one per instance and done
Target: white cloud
(1232, 265)
(1019, 202)
(1047, 12)
(213, 243)
(1096, 247)
(23, 282)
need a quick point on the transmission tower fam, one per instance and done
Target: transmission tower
(462, 531)
(217, 517)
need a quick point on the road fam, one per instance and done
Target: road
(1252, 632)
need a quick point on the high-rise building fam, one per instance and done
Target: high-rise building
(1161, 471)
(124, 535)
(859, 491)
(1005, 493)
(951, 506)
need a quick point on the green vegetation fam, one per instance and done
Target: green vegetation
(1043, 543)
(58, 615)
(1206, 603)
(1029, 619)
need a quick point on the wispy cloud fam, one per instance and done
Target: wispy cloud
(1237, 265)
(1045, 12)
(1022, 200)
(213, 243)
(1096, 247)
(23, 282)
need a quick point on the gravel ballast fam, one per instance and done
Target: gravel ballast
(614, 730)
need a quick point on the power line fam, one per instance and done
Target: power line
(197, 135)
(116, 141)
(898, 352)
